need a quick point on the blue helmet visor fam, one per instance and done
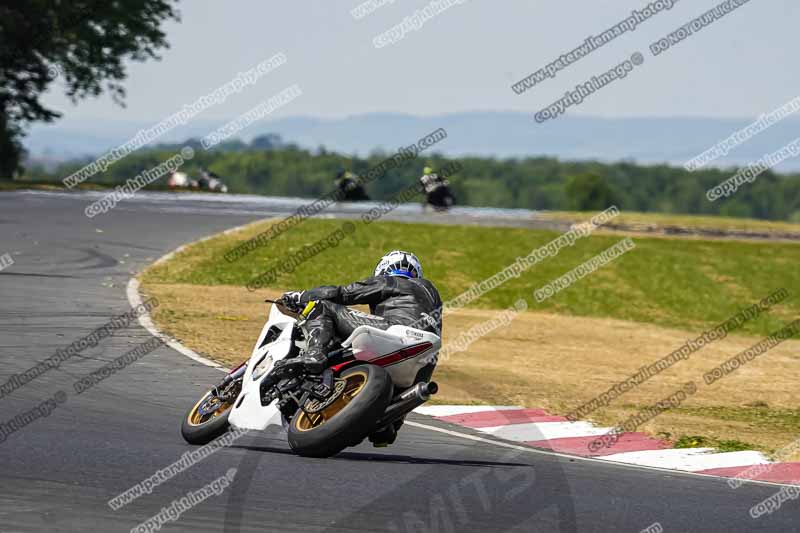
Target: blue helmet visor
(400, 272)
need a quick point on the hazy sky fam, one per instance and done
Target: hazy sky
(463, 59)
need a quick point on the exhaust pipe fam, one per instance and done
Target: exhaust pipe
(422, 391)
(407, 402)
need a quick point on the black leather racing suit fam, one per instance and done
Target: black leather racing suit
(392, 300)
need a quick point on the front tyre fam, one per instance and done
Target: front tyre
(207, 420)
(348, 420)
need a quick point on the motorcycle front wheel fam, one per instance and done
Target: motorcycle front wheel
(346, 421)
(207, 420)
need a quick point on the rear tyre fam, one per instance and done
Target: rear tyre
(348, 420)
(207, 420)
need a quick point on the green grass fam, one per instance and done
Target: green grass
(682, 283)
(765, 417)
(661, 220)
(698, 441)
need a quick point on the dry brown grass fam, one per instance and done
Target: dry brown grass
(544, 360)
(655, 223)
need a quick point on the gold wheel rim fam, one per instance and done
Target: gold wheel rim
(355, 384)
(196, 419)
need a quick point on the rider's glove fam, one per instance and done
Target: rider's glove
(293, 297)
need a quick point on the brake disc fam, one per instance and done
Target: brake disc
(209, 406)
(313, 405)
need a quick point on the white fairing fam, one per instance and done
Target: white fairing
(373, 344)
(178, 179)
(404, 351)
(247, 411)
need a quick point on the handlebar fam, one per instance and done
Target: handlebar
(287, 308)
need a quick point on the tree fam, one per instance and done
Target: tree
(83, 42)
(267, 141)
(589, 192)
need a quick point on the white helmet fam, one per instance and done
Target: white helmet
(399, 263)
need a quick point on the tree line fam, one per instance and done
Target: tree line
(271, 167)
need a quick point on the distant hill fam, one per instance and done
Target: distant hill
(487, 134)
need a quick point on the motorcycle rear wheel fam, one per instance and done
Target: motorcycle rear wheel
(348, 420)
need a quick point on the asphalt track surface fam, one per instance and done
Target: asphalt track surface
(58, 472)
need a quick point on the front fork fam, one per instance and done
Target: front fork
(236, 374)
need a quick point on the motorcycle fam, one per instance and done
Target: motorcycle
(372, 381)
(351, 190)
(437, 192)
(441, 199)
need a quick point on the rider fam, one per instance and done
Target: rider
(340, 175)
(431, 181)
(396, 293)
(437, 189)
(350, 187)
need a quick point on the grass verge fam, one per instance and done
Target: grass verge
(661, 222)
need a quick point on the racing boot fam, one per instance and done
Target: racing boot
(318, 338)
(312, 360)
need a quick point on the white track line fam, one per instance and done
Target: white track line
(580, 458)
(545, 431)
(146, 321)
(135, 299)
(691, 459)
(686, 459)
(448, 410)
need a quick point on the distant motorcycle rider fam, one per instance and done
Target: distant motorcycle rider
(349, 186)
(436, 188)
(211, 181)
